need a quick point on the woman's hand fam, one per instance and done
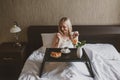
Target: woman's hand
(59, 36)
(57, 41)
(75, 37)
(75, 34)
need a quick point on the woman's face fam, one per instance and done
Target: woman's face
(64, 27)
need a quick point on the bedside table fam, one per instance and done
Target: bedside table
(11, 60)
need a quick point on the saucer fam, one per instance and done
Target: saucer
(65, 51)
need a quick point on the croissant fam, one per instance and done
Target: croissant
(55, 54)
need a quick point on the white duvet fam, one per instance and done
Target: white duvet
(105, 67)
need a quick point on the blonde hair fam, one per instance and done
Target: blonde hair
(67, 20)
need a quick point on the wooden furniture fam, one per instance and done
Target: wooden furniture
(11, 60)
(71, 57)
(90, 33)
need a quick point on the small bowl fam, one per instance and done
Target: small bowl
(65, 50)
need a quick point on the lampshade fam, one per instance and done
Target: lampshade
(15, 29)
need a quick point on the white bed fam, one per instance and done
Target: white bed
(105, 67)
(104, 57)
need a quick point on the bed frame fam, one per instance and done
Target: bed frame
(90, 33)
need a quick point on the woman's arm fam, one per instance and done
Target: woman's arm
(57, 41)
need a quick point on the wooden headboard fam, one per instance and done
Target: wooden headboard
(90, 33)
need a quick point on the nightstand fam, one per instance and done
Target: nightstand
(11, 60)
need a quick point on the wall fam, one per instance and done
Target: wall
(48, 12)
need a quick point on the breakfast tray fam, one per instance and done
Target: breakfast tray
(71, 57)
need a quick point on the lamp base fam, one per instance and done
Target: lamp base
(18, 44)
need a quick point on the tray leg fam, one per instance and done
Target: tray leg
(89, 68)
(42, 67)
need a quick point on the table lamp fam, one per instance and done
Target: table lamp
(15, 30)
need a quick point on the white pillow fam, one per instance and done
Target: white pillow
(107, 51)
(47, 39)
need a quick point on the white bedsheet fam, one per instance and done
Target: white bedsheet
(103, 69)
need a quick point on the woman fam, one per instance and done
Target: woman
(65, 37)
